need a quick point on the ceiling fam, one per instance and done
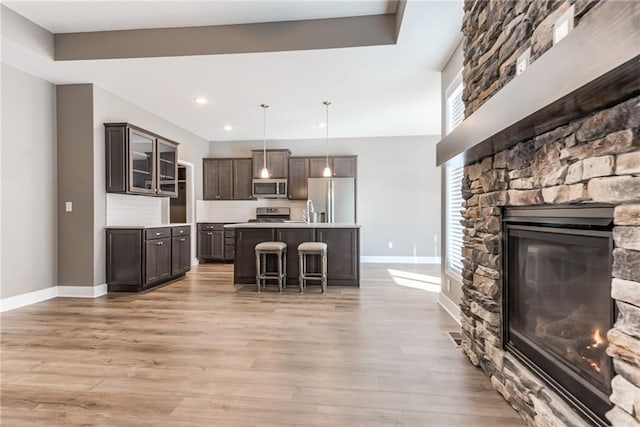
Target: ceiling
(377, 91)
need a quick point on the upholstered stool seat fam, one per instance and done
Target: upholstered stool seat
(318, 249)
(263, 249)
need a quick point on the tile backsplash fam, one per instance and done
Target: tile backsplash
(242, 210)
(125, 209)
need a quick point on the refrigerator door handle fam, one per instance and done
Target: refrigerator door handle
(332, 198)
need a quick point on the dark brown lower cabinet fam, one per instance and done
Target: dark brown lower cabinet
(157, 260)
(215, 243)
(141, 258)
(180, 255)
(343, 252)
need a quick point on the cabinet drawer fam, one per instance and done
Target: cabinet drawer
(229, 240)
(157, 233)
(229, 233)
(181, 231)
(210, 226)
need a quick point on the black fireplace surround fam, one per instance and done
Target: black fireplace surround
(557, 306)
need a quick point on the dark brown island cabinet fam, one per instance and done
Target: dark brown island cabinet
(139, 258)
(227, 178)
(215, 243)
(343, 250)
(140, 162)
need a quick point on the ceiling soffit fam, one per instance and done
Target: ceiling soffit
(358, 31)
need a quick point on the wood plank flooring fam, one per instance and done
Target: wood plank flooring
(203, 352)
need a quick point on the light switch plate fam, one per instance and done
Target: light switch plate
(563, 25)
(68, 206)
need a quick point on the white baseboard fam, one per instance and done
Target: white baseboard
(400, 259)
(195, 262)
(23, 300)
(450, 307)
(29, 298)
(82, 291)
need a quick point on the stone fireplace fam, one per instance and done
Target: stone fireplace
(553, 321)
(592, 160)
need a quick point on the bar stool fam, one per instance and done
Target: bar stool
(271, 248)
(312, 249)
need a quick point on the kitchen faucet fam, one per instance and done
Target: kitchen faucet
(309, 210)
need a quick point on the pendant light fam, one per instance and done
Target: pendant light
(265, 172)
(327, 169)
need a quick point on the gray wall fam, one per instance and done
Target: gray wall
(398, 188)
(109, 107)
(451, 285)
(75, 184)
(28, 184)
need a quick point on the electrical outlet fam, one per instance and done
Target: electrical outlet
(390, 245)
(522, 63)
(68, 206)
(563, 25)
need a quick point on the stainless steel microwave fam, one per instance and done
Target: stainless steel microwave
(265, 188)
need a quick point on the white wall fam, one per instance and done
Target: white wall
(398, 188)
(109, 107)
(29, 188)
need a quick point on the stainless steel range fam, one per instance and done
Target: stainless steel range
(272, 215)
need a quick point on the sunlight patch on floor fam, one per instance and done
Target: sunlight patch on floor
(424, 282)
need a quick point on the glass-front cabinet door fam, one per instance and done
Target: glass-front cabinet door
(142, 156)
(167, 168)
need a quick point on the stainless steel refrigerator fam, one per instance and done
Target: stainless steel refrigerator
(336, 197)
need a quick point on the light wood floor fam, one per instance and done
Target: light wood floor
(202, 352)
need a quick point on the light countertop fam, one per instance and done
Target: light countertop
(290, 225)
(149, 226)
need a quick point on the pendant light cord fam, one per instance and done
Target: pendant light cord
(264, 135)
(327, 103)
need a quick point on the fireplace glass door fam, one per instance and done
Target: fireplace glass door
(558, 307)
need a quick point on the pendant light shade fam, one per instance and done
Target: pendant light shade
(327, 169)
(265, 172)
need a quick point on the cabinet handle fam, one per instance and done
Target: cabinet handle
(182, 240)
(209, 234)
(157, 234)
(181, 231)
(159, 243)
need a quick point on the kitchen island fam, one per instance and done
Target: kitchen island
(343, 249)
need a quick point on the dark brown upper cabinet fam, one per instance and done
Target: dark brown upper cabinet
(344, 166)
(242, 179)
(341, 166)
(277, 163)
(140, 162)
(298, 175)
(227, 179)
(167, 168)
(218, 179)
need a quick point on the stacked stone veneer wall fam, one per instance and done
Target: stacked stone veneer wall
(595, 159)
(497, 32)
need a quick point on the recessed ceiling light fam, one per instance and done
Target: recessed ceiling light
(322, 125)
(200, 100)
(227, 127)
